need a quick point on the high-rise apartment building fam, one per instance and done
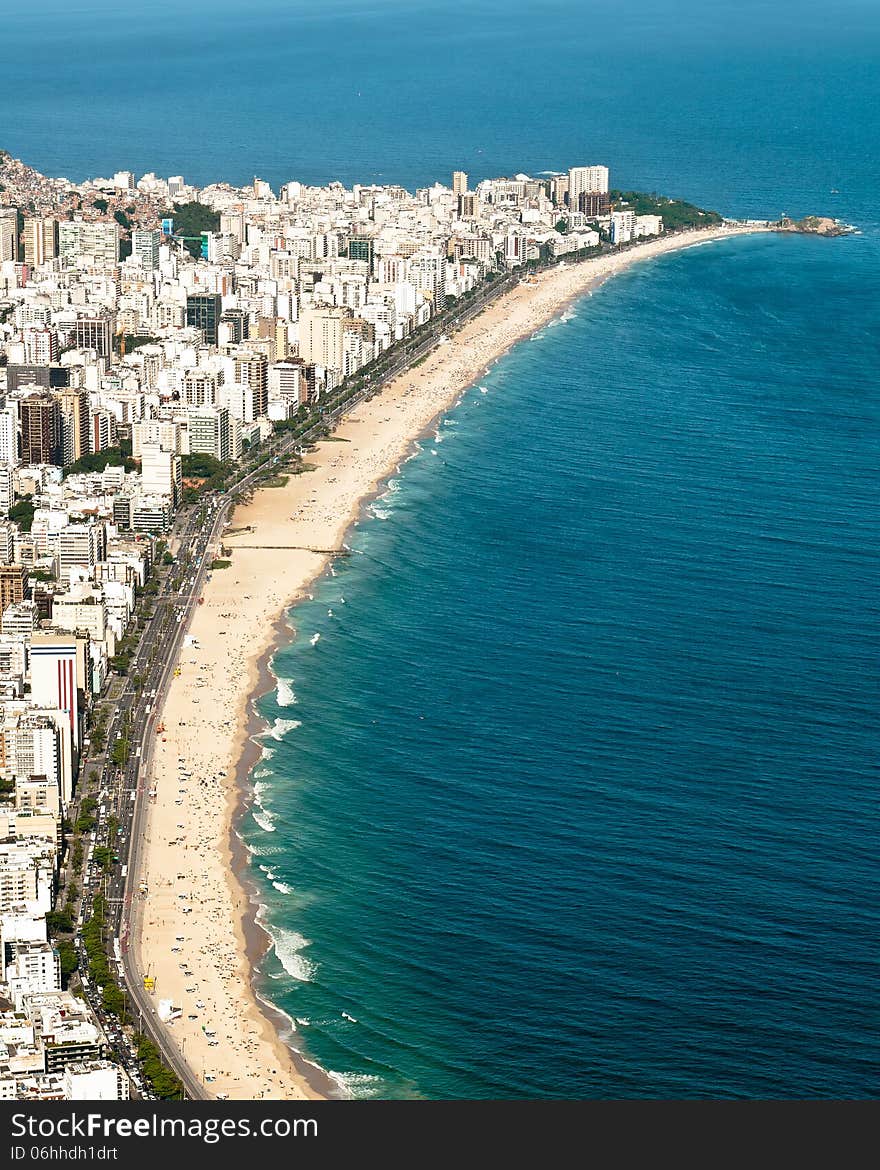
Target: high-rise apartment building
(622, 223)
(41, 345)
(75, 437)
(40, 241)
(287, 383)
(40, 416)
(161, 472)
(96, 332)
(467, 205)
(8, 436)
(320, 336)
(252, 368)
(586, 181)
(13, 583)
(100, 241)
(203, 311)
(200, 387)
(8, 234)
(7, 499)
(145, 246)
(102, 430)
(209, 432)
(459, 182)
(238, 324)
(53, 659)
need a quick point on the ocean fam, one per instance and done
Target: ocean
(575, 795)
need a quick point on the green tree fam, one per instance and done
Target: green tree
(22, 512)
(676, 213)
(69, 959)
(97, 461)
(103, 856)
(59, 922)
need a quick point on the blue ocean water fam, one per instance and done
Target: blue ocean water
(576, 794)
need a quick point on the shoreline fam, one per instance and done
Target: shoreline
(319, 512)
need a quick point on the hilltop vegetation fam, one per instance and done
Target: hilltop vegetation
(191, 219)
(676, 213)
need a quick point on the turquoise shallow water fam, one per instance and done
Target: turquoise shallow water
(576, 794)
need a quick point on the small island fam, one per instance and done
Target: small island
(815, 225)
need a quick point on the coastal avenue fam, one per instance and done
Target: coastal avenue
(135, 714)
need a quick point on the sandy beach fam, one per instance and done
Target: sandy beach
(197, 936)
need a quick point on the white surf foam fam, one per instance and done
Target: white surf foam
(289, 946)
(359, 1086)
(280, 727)
(264, 820)
(284, 695)
(283, 887)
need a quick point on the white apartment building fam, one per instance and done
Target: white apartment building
(78, 240)
(7, 489)
(79, 547)
(40, 346)
(238, 399)
(209, 432)
(81, 610)
(35, 968)
(586, 180)
(161, 472)
(33, 748)
(156, 431)
(145, 246)
(18, 883)
(287, 384)
(622, 225)
(320, 333)
(96, 1080)
(19, 620)
(648, 225)
(9, 435)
